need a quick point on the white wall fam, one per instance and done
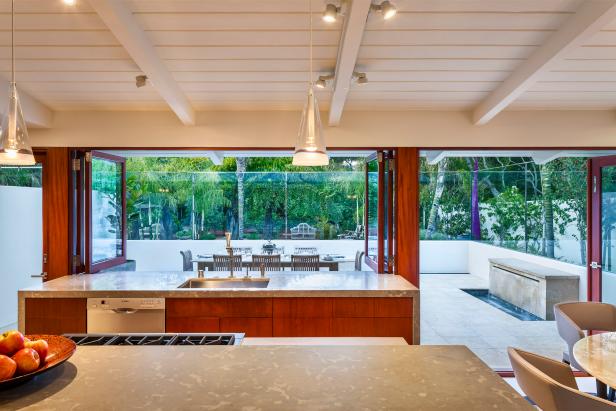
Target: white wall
(541, 128)
(21, 245)
(443, 257)
(454, 257)
(161, 255)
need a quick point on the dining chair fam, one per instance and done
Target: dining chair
(305, 262)
(223, 262)
(305, 250)
(359, 257)
(271, 262)
(575, 319)
(551, 384)
(187, 264)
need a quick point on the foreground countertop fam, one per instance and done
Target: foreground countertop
(282, 284)
(268, 378)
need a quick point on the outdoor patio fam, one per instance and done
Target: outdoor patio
(451, 316)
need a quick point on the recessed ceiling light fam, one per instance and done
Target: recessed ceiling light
(69, 2)
(331, 13)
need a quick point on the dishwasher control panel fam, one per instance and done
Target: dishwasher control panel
(126, 303)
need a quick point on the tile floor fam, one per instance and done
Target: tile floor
(451, 316)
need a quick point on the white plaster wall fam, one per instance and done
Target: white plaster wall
(21, 245)
(156, 255)
(479, 254)
(443, 257)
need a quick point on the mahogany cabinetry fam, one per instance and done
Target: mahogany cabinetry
(257, 317)
(294, 317)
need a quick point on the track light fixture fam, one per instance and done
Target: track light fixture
(360, 78)
(141, 80)
(322, 81)
(330, 15)
(386, 8)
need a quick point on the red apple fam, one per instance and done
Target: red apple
(7, 367)
(11, 342)
(27, 360)
(40, 346)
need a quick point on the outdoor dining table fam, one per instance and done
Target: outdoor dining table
(204, 263)
(597, 356)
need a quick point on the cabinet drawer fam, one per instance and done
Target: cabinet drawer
(302, 327)
(302, 307)
(353, 307)
(354, 327)
(394, 327)
(219, 307)
(252, 327)
(192, 325)
(393, 307)
(55, 315)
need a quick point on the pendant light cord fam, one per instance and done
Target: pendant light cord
(310, 14)
(13, 41)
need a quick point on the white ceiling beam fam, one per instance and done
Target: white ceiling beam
(545, 156)
(217, 157)
(350, 40)
(35, 113)
(435, 157)
(590, 17)
(119, 19)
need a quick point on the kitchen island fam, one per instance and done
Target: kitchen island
(294, 304)
(268, 378)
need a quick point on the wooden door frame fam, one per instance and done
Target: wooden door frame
(93, 267)
(594, 210)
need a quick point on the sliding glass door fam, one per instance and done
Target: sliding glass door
(98, 197)
(380, 211)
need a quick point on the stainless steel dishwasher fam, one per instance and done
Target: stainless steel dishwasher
(126, 315)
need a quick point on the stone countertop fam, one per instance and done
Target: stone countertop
(268, 378)
(531, 269)
(282, 284)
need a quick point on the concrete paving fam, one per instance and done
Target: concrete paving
(451, 316)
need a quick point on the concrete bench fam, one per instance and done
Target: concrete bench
(532, 287)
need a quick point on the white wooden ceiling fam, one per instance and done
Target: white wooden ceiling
(253, 54)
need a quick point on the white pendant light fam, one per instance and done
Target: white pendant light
(14, 142)
(310, 147)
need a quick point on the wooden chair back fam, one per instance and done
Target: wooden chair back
(271, 262)
(305, 262)
(223, 262)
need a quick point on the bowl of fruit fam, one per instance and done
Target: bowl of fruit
(24, 357)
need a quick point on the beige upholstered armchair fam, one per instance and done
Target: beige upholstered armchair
(551, 384)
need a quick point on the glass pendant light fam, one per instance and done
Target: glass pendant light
(14, 143)
(310, 147)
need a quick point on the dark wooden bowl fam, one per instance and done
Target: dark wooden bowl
(60, 350)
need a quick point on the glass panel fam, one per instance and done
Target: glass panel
(106, 209)
(21, 236)
(540, 209)
(608, 234)
(373, 205)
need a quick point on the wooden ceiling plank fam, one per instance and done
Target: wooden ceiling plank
(348, 51)
(591, 17)
(119, 19)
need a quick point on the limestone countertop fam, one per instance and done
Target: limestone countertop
(164, 284)
(268, 378)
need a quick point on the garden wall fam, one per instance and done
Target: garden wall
(456, 257)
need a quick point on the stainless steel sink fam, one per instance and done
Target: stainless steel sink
(225, 283)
